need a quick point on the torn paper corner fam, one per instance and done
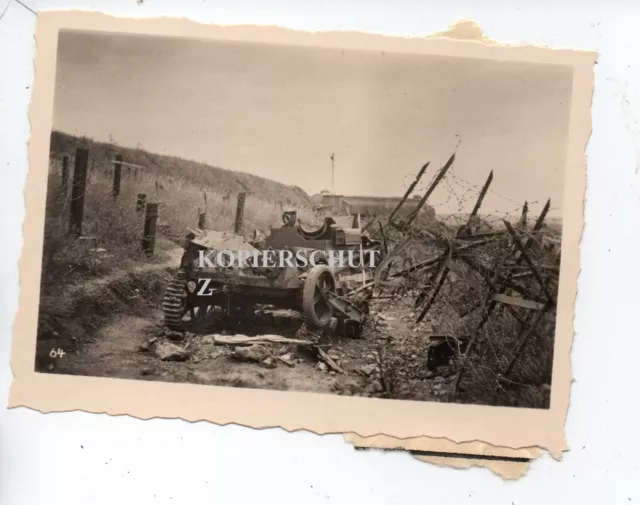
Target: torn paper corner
(506, 462)
(464, 29)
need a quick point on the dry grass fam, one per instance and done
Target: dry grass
(528, 383)
(458, 311)
(178, 186)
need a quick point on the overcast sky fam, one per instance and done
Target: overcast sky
(280, 112)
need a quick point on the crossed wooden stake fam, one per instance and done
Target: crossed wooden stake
(456, 251)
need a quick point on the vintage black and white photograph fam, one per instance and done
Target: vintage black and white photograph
(278, 217)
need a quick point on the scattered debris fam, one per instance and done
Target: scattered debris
(376, 386)
(367, 370)
(176, 336)
(327, 359)
(239, 340)
(425, 310)
(286, 359)
(443, 349)
(269, 363)
(167, 351)
(255, 353)
(207, 340)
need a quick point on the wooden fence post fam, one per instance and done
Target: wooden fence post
(240, 212)
(141, 202)
(149, 235)
(116, 176)
(77, 192)
(202, 216)
(65, 174)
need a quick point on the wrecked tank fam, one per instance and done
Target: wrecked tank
(322, 291)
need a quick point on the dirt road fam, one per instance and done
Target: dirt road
(125, 348)
(112, 327)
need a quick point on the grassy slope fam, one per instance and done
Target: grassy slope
(171, 168)
(178, 185)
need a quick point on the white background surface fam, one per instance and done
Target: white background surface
(79, 458)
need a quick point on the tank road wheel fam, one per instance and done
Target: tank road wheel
(318, 286)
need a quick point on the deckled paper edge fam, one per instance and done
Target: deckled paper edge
(504, 427)
(511, 467)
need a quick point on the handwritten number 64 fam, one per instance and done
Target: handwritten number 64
(57, 353)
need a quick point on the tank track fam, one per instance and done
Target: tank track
(173, 303)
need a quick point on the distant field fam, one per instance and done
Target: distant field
(554, 224)
(494, 221)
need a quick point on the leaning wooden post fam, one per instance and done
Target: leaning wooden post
(77, 192)
(149, 236)
(443, 171)
(240, 212)
(65, 174)
(440, 276)
(464, 230)
(523, 338)
(116, 176)
(407, 194)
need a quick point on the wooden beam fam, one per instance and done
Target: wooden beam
(435, 259)
(384, 239)
(493, 288)
(518, 302)
(524, 338)
(440, 276)
(261, 339)
(528, 260)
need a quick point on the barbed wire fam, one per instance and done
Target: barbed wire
(463, 194)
